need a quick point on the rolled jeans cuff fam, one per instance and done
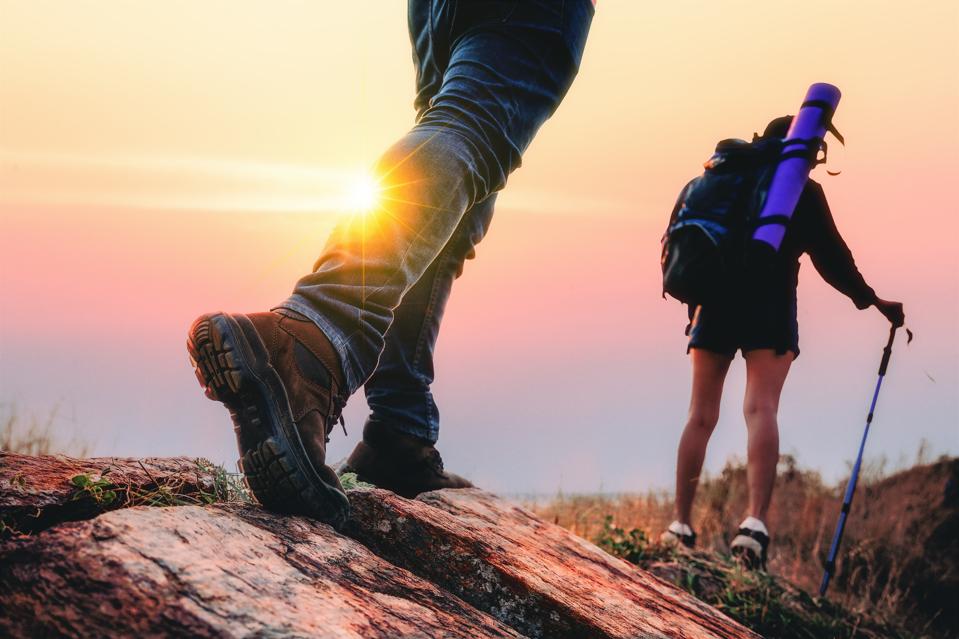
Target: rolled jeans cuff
(430, 431)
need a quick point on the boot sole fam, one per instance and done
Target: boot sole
(235, 370)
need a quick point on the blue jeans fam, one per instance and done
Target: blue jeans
(489, 74)
(398, 393)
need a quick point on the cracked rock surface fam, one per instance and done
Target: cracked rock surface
(532, 575)
(191, 571)
(37, 491)
(457, 564)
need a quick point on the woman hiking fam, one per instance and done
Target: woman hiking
(763, 325)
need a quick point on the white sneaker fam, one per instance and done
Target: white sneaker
(751, 544)
(677, 534)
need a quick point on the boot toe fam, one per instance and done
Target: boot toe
(455, 481)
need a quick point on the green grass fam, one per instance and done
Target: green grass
(175, 490)
(350, 482)
(99, 489)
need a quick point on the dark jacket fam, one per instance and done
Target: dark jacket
(813, 231)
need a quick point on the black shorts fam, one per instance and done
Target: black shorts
(747, 323)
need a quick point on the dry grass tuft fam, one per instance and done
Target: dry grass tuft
(35, 436)
(900, 555)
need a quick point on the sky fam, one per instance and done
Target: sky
(162, 160)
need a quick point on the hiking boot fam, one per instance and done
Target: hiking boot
(280, 377)
(396, 461)
(751, 544)
(678, 534)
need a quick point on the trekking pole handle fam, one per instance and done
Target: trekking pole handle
(887, 351)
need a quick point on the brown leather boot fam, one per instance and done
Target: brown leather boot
(402, 463)
(280, 378)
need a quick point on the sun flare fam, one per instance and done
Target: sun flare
(362, 194)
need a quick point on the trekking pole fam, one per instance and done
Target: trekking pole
(851, 486)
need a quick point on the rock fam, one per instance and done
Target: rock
(191, 571)
(533, 576)
(39, 491)
(457, 564)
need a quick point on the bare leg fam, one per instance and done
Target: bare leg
(709, 373)
(765, 375)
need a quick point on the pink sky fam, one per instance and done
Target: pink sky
(147, 179)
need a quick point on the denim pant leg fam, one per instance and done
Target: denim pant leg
(398, 393)
(503, 76)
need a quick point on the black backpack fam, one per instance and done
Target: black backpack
(704, 247)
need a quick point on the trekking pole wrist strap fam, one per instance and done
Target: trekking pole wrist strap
(887, 352)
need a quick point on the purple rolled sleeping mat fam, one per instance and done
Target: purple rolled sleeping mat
(798, 158)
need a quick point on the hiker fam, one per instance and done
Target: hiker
(761, 322)
(488, 75)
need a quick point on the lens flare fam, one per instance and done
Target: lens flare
(362, 194)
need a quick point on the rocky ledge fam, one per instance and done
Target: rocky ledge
(91, 554)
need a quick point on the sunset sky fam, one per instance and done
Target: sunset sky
(159, 160)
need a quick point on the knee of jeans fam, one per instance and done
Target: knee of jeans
(439, 162)
(424, 149)
(481, 140)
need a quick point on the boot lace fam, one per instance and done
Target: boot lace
(337, 404)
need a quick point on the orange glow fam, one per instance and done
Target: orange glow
(134, 134)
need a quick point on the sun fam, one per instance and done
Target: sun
(362, 194)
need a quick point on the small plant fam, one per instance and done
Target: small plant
(213, 485)
(227, 487)
(18, 481)
(8, 529)
(631, 546)
(349, 481)
(100, 490)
